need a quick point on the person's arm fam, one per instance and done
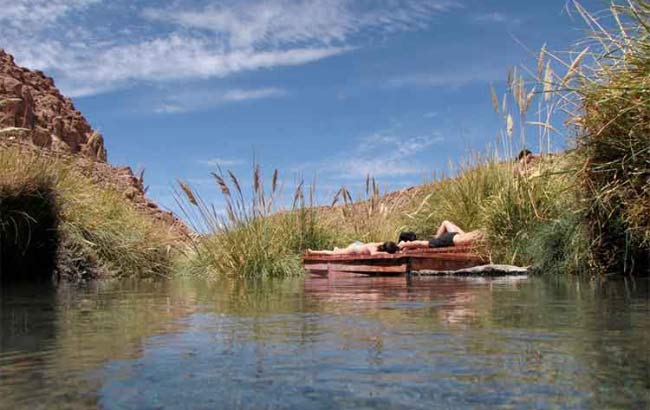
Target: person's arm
(413, 245)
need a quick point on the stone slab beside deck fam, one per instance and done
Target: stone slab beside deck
(421, 260)
(483, 270)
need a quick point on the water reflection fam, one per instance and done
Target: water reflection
(327, 342)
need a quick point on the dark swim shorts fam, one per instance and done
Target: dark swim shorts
(443, 241)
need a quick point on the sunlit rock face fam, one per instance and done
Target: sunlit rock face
(33, 110)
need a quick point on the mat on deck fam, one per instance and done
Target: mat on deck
(440, 259)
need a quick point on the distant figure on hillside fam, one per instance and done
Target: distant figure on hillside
(448, 234)
(524, 162)
(360, 248)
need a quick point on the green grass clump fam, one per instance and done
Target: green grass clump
(527, 219)
(524, 206)
(614, 137)
(251, 239)
(100, 231)
(559, 246)
(461, 199)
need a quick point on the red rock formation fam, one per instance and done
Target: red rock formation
(33, 113)
(32, 109)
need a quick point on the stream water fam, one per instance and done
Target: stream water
(325, 343)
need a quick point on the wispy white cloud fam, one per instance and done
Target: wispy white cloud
(221, 162)
(282, 22)
(180, 39)
(194, 99)
(171, 58)
(382, 154)
(495, 17)
(244, 95)
(448, 78)
(169, 108)
(18, 13)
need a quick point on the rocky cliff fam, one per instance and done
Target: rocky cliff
(33, 110)
(34, 114)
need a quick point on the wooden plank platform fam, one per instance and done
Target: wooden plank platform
(440, 259)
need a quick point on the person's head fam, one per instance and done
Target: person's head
(407, 237)
(524, 154)
(389, 247)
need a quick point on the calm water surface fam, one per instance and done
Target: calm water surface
(319, 343)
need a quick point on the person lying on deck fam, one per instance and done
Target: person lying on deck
(448, 234)
(360, 248)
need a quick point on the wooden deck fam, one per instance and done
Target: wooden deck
(441, 259)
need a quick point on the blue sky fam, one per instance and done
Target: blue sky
(335, 89)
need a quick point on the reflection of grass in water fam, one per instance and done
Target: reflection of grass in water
(106, 321)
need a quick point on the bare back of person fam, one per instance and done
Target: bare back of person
(356, 248)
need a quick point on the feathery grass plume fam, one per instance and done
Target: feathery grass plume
(257, 183)
(298, 196)
(573, 68)
(348, 196)
(509, 81)
(274, 181)
(221, 182)
(235, 182)
(337, 196)
(274, 191)
(510, 125)
(521, 97)
(188, 193)
(548, 81)
(529, 98)
(540, 62)
(239, 203)
(495, 99)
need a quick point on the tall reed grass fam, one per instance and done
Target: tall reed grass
(251, 236)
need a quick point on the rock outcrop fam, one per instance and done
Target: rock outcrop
(35, 115)
(33, 110)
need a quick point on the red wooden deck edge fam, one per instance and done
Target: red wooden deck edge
(465, 251)
(451, 258)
